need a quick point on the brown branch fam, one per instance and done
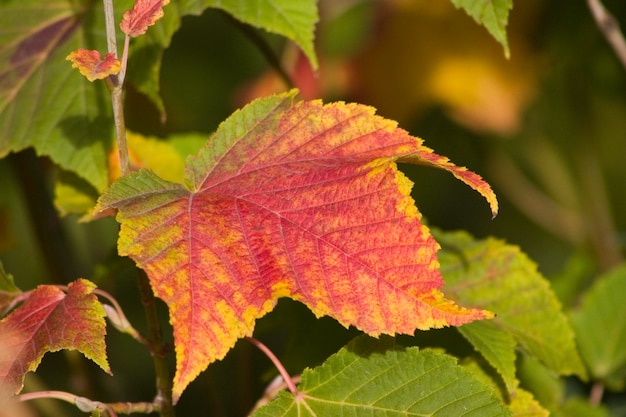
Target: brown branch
(159, 348)
(609, 27)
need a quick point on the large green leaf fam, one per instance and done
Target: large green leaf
(492, 14)
(44, 103)
(371, 378)
(499, 277)
(293, 19)
(600, 324)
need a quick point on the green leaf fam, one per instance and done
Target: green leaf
(44, 103)
(293, 19)
(544, 384)
(499, 277)
(600, 324)
(496, 346)
(580, 407)
(492, 14)
(166, 157)
(521, 402)
(371, 378)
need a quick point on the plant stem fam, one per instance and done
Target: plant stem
(597, 391)
(609, 28)
(85, 404)
(281, 369)
(115, 86)
(264, 48)
(159, 349)
(120, 129)
(120, 321)
(109, 18)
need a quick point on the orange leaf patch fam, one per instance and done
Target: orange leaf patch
(144, 14)
(288, 199)
(91, 66)
(48, 321)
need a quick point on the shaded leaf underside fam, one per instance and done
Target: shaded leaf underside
(288, 199)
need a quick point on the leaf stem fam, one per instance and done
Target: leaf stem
(597, 391)
(159, 349)
(609, 27)
(281, 369)
(118, 318)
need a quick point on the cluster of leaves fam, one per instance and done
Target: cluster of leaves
(288, 198)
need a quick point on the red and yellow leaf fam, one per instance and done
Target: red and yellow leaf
(91, 66)
(289, 199)
(144, 14)
(48, 321)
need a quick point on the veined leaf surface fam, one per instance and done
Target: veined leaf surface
(48, 321)
(364, 378)
(500, 277)
(289, 199)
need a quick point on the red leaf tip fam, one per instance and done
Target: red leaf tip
(144, 14)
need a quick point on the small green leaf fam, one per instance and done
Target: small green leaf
(492, 14)
(600, 324)
(499, 277)
(293, 19)
(369, 377)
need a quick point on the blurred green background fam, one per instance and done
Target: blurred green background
(547, 129)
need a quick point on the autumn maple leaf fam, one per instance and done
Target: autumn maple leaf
(289, 199)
